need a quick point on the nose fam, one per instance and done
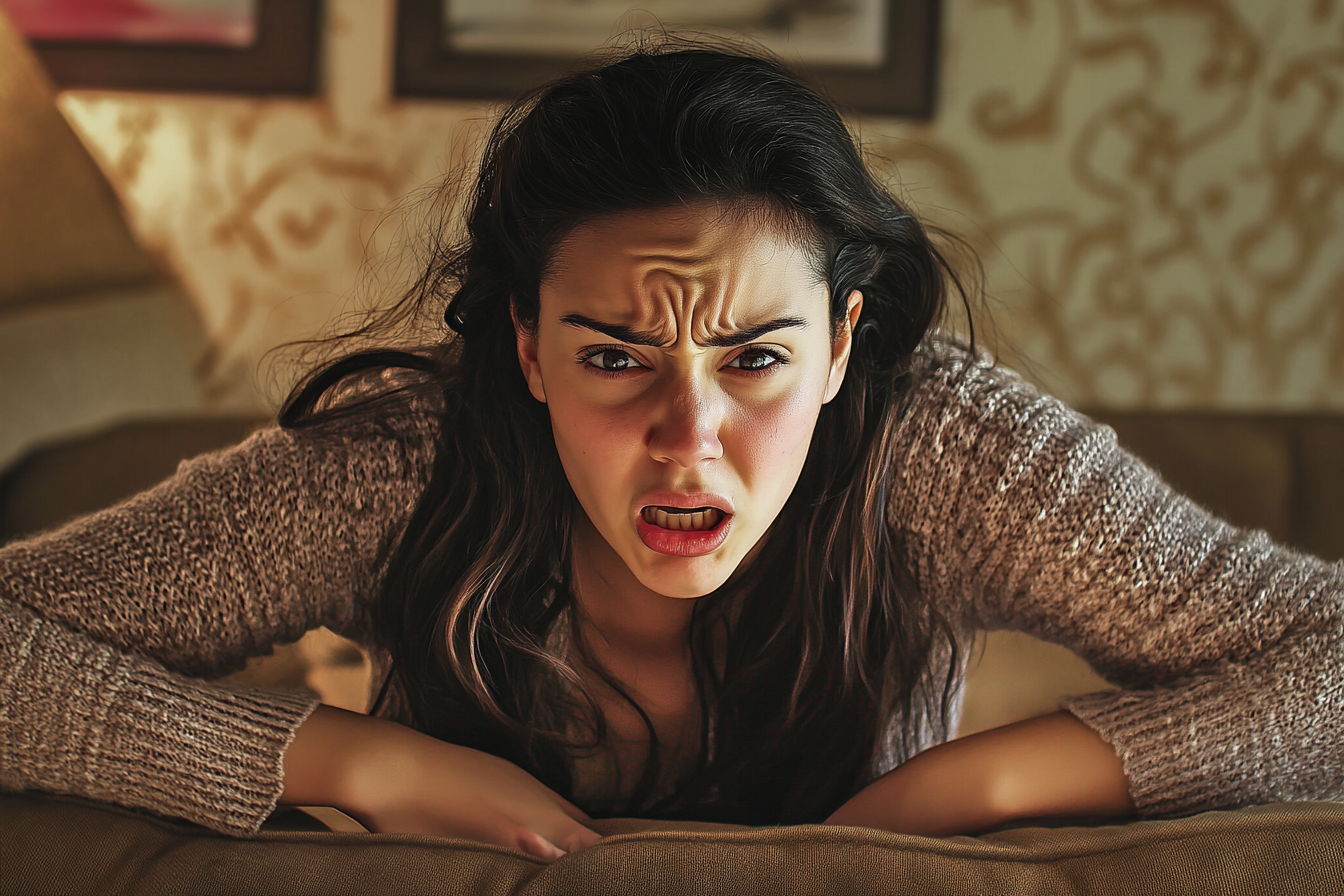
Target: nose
(685, 431)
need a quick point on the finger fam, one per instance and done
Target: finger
(532, 843)
(570, 809)
(581, 838)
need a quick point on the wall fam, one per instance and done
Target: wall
(1156, 188)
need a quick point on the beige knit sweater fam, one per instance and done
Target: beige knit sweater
(1021, 514)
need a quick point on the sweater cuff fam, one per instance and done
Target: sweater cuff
(209, 753)
(1177, 763)
(85, 719)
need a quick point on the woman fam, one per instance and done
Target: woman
(687, 520)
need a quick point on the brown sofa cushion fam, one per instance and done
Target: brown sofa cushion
(61, 845)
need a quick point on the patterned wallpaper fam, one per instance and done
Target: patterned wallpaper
(1155, 187)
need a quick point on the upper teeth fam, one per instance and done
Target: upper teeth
(700, 518)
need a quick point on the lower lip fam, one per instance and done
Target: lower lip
(682, 542)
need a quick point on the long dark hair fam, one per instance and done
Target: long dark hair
(829, 641)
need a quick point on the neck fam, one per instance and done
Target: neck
(623, 620)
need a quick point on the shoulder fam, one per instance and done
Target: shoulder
(390, 408)
(375, 447)
(957, 394)
(974, 429)
(952, 379)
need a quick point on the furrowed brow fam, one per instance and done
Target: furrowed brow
(751, 334)
(615, 331)
(648, 337)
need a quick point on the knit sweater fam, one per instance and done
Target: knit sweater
(1018, 513)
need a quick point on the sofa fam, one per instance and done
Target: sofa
(60, 845)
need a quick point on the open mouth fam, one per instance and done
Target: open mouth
(682, 519)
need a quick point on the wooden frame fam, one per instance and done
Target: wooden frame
(904, 84)
(282, 60)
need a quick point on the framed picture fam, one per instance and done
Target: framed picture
(873, 56)
(226, 46)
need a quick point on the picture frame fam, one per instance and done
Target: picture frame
(283, 58)
(902, 84)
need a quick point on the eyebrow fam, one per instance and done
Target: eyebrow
(649, 337)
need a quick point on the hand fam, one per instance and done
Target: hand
(1053, 765)
(395, 780)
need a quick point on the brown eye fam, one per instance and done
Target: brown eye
(612, 360)
(756, 360)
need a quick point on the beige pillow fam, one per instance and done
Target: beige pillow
(61, 225)
(62, 845)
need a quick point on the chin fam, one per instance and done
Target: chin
(680, 579)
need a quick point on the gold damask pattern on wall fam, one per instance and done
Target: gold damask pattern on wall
(1156, 188)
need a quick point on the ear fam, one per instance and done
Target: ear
(527, 358)
(844, 341)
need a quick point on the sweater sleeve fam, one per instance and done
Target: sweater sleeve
(108, 624)
(1020, 513)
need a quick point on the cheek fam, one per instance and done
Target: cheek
(772, 441)
(595, 444)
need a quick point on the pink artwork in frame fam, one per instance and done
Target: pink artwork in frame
(228, 46)
(230, 23)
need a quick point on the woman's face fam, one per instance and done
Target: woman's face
(684, 356)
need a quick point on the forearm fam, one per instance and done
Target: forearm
(82, 718)
(352, 761)
(1226, 646)
(316, 766)
(1048, 766)
(396, 780)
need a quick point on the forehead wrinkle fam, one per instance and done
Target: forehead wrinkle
(713, 296)
(749, 293)
(674, 292)
(695, 278)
